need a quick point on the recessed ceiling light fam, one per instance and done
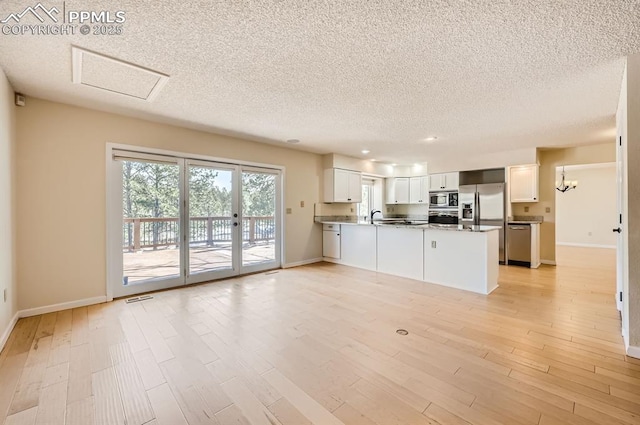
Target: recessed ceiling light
(373, 160)
(365, 151)
(394, 164)
(431, 139)
(293, 141)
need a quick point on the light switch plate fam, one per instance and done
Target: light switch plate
(301, 204)
(433, 244)
(288, 210)
(526, 209)
(548, 209)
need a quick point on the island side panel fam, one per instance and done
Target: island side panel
(463, 260)
(493, 255)
(400, 252)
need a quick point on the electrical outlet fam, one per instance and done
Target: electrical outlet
(526, 209)
(4, 295)
(548, 209)
(589, 233)
(288, 210)
(352, 210)
(301, 204)
(433, 244)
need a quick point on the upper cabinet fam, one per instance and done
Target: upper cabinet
(398, 190)
(443, 181)
(523, 183)
(342, 185)
(419, 190)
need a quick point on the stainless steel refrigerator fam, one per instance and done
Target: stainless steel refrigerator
(483, 204)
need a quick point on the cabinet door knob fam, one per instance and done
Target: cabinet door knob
(618, 230)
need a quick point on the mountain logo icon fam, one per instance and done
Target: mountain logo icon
(39, 11)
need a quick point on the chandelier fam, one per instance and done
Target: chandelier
(566, 185)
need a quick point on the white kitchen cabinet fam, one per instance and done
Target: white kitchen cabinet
(400, 251)
(443, 181)
(358, 246)
(342, 185)
(443, 251)
(398, 190)
(419, 190)
(523, 183)
(331, 241)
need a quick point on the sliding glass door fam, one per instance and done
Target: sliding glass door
(185, 221)
(151, 248)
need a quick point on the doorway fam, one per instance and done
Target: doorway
(185, 221)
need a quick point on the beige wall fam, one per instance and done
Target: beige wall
(8, 279)
(61, 186)
(586, 215)
(462, 161)
(549, 159)
(632, 228)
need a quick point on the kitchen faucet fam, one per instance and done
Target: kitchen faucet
(373, 212)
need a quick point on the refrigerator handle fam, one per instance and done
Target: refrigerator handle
(476, 219)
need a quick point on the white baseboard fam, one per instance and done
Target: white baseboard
(62, 306)
(5, 335)
(302, 263)
(548, 262)
(633, 351)
(586, 245)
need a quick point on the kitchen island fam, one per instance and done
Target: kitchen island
(463, 257)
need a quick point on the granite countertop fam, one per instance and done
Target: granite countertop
(525, 219)
(415, 224)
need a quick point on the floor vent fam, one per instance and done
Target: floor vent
(138, 299)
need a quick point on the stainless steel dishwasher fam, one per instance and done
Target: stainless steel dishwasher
(519, 244)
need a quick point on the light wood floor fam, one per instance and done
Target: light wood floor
(318, 344)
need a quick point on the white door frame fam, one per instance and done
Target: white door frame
(114, 208)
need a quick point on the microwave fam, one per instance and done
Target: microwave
(443, 200)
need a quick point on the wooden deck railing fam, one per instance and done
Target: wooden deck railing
(139, 233)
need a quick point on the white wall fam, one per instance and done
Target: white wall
(586, 215)
(8, 279)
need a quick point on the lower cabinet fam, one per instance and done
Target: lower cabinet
(331, 241)
(400, 252)
(358, 246)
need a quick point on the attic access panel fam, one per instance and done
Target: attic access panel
(114, 75)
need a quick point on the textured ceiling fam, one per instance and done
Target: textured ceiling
(343, 76)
